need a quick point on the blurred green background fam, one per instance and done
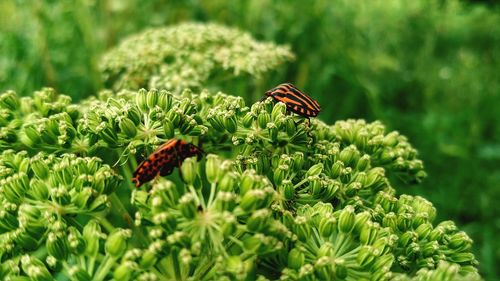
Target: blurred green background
(429, 69)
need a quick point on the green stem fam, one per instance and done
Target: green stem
(105, 222)
(116, 204)
(212, 195)
(104, 268)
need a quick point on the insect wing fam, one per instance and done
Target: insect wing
(295, 100)
(151, 167)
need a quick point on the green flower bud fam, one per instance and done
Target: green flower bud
(407, 238)
(124, 271)
(148, 259)
(91, 234)
(365, 256)
(15, 187)
(390, 220)
(231, 124)
(227, 182)
(57, 245)
(460, 241)
(229, 225)
(251, 199)
(165, 100)
(247, 120)
(116, 244)
(290, 126)
(360, 220)
(279, 110)
(53, 263)
(465, 258)
(287, 189)
(9, 100)
(346, 219)
(225, 201)
(315, 170)
(189, 170)
(99, 204)
(26, 239)
(109, 136)
(217, 123)
(174, 117)
(350, 156)
(39, 189)
(430, 248)
(79, 274)
(272, 128)
(259, 220)
(188, 206)
(128, 127)
(336, 170)
(327, 226)
(363, 163)
(316, 188)
(39, 166)
(134, 114)
(263, 119)
(152, 98)
(247, 181)
(323, 268)
(301, 228)
(81, 198)
(76, 242)
(326, 250)
(35, 269)
(279, 174)
(352, 189)
(369, 233)
(306, 272)
(382, 263)
(424, 230)
(296, 259)
(213, 168)
(8, 221)
(386, 200)
(391, 139)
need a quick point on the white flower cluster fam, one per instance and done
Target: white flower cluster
(187, 56)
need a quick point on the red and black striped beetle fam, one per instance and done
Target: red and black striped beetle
(164, 159)
(295, 100)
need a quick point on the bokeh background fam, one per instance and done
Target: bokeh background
(429, 69)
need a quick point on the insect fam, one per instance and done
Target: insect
(164, 159)
(295, 100)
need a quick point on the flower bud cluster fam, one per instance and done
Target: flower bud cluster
(277, 195)
(422, 244)
(342, 244)
(44, 196)
(42, 122)
(225, 214)
(186, 55)
(444, 272)
(389, 150)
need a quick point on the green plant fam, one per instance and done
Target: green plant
(276, 197)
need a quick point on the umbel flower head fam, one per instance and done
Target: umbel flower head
(276, 197)
(186, 55)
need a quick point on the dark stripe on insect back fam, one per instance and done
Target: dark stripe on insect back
(309, 102)
(284, 97)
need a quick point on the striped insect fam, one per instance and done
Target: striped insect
(164, 159)
(295, 100)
